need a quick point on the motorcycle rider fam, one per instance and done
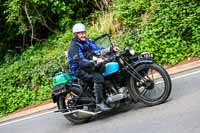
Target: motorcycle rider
(81, 63)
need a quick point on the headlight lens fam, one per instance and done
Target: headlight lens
(132, 52)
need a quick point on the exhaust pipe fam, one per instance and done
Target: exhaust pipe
(115, 98)
(82, 113)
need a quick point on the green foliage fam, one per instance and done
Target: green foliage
(27, 22)
(169, 29)
(29, 79)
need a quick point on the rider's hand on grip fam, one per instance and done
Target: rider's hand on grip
(116, 49)
(99, 62)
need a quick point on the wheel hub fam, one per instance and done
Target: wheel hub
(149, 85)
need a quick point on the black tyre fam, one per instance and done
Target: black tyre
(154, 86)
(63, 102)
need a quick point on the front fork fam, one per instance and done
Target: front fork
(138, 77)
(133, 73)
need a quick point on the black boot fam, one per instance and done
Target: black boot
(99, 97)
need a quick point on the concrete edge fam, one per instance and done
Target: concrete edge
(184, 67)
(51, 106)
(32, 111)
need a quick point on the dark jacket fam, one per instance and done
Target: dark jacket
(79, 54)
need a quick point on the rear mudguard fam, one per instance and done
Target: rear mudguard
(63, 90)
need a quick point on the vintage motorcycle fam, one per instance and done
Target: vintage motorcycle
(129, 78)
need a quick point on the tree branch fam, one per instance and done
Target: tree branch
(43, 21)
(51, 20)
(28, 17)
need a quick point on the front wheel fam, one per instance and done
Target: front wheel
(154, 86)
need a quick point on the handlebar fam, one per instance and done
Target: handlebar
(117, 54)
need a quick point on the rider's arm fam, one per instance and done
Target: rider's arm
(94, 47)
(106, 51)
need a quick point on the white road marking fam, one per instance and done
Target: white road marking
(45, 113)
(26, 118)
(181, 76)
(185, 75)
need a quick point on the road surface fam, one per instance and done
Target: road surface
(181, 114)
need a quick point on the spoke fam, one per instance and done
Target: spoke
(159, 88)
(146, 77)
(159, 82)
(158, 91)
(152, 75)
(144, 92)
(153, 94)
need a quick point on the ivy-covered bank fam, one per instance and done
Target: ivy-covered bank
(28, 80)
(167, 28)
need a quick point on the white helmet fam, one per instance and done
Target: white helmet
(79, 27)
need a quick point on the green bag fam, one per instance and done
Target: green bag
(61, 78)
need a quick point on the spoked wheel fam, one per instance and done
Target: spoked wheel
(65, 102)
(154, 86)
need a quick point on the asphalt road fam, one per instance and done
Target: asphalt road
(181, 114)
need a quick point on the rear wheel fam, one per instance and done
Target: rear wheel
(154, 86)
(65, 101)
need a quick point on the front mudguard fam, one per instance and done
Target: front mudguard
(142, 58)
(140, 62)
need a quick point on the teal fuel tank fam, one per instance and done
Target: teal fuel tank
(111, 68)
